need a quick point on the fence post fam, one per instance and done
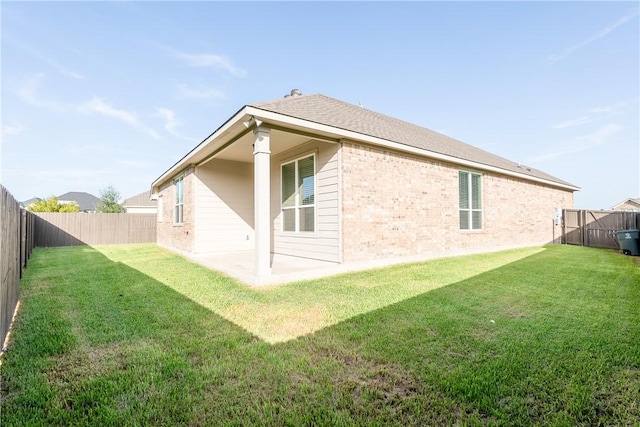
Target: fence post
(10, 233)
(585, 238)
(75, 229)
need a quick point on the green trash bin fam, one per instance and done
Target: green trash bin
(629, 241)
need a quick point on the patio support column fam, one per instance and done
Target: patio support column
(261, 199)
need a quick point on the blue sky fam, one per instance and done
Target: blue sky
(113, 93)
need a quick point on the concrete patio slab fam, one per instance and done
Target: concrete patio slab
(241, 265)
(284, 269)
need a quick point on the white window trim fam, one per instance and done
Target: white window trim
(176, 204)
(470, 210)
(297, 207)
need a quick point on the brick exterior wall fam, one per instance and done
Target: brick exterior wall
(397, 205)
(178, 236)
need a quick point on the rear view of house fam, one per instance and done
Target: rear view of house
(314, 177)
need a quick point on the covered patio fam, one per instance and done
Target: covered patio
(241, 265)
(232, 187)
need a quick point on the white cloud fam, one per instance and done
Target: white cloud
(55, 65)
(46, 59)
(186, 91)
(596, 114)
(29, 92)
(602, 135)
(220, 62)
(585, 142)
(98, 105)
(614, 108)
(14, 128)
(552, 59)
(571, 123)
(171, 124)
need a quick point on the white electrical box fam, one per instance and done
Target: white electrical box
(557, 216)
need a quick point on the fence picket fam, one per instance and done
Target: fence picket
(22, 231)
(74, 229)
(15, 250)
(596, 228)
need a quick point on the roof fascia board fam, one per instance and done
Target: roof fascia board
(268, 116)
(629, 201)
(469, 163)
(184, 161)
(271, 126)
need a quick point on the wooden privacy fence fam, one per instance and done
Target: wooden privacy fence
(16, 245)
(74, 229)
(596, 228)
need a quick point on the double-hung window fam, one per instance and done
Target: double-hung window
(179, 206)
(298, 179)
(470, 201)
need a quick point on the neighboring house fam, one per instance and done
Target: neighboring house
(629, 205)
(140, 203)
(86, 202)
(314, 177)
(30, 202)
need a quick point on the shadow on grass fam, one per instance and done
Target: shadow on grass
(100, 342)
(284, 312)
(97, 341)
(552, 338)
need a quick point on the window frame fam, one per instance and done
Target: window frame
(471, 209)
(178, 207)
(298, 206)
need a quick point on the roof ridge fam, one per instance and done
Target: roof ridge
(283, 99)
(322, 109)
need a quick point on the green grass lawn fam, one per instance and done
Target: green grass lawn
(136, 335)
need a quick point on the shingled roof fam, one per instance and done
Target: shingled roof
(140, 200)
(327, 111)
(86, 202)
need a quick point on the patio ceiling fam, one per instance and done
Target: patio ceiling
(234, 140)
(242, 149)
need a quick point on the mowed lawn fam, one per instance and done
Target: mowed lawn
(136, 335)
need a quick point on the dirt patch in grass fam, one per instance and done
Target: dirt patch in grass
(85, 363)
(622, 398)
(69, 368)
(385, 389)
(514, 314)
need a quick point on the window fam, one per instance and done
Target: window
(179, 207)
(299, 195)
(470, 201)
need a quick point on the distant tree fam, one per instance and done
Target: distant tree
(52, 205)
(109, 201)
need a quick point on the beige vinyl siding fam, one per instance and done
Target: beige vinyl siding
(224, 210)
(324, 243)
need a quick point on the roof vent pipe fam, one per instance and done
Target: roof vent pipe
(294, 92)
